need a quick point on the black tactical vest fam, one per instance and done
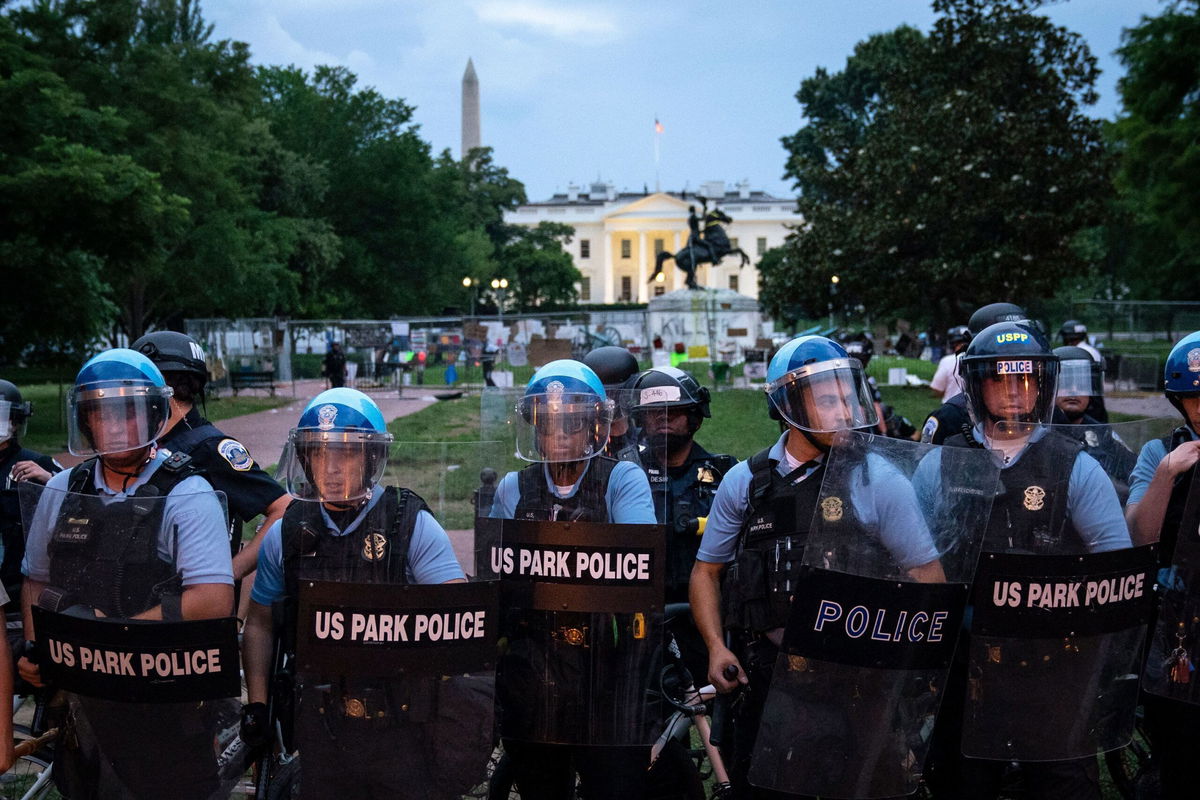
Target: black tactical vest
(111, 562)
(1177, 506)
(681, 512)
(588, 504)
(1029, 513)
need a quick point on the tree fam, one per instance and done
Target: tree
(1157, 138)
(540, 270)
(941, 172)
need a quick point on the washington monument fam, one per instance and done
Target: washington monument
(470, 110)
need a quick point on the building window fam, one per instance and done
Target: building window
(659, 289)
(585, 288)
(762, 245)
(626, 289)
(626, 248)
(733, 242)
(658, 246)
(733, 282)
(585, 248)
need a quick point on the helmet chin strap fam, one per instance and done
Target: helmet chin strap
(128, 476)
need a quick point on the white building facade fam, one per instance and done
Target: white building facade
(618, 235)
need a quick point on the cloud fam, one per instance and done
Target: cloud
(564, 23)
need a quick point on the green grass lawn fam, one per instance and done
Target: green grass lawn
(47, 431)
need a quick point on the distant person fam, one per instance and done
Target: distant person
(946, 382)
(334, 368)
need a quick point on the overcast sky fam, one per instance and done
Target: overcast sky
(570, 90)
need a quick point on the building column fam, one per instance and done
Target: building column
(674, 279)
(610, 268)
(643, 289)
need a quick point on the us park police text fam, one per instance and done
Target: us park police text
(174, 664)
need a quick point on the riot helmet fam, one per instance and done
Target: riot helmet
(614, 366)
(338, 450)
(958, 335)
(181, 360)
(564, 415)
(15, 412)
(659, 397)
(860, 347)
(993, 313)
(1010, 376)
(119, 403)
(1073, 332)
(1080, 377)
(816, 387)
(1181, 373)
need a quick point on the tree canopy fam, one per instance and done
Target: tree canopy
(939, 172)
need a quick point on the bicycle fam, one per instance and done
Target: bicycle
(29, 778)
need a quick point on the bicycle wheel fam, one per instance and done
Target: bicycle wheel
(674, 775)
(29, 779)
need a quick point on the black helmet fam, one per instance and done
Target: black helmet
(173, 352)
(1072, 330)
(612, 364)
(668, 387)
(959, 334)
(1079, 375)
(993, 313)
(19, 411)
(1016, 350)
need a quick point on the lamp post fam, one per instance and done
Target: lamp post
(833, 282)
(471, 284)
(500, 286)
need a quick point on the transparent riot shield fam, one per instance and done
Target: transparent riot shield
(1061, 602)
(576, 546)
(1174, 647)
(876, 608)
(152, 707)
(1116, 445)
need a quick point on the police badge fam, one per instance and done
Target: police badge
(325, 417)
(374, 547)
(1035, 498)
(831, 509)
(1091, 439)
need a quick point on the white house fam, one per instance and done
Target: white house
(618, 235)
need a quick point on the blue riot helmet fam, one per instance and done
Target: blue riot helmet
(15, 411)
(564, 414)
(817, 387)
(1181, 374)
(338, 450)
(119, 403)
(1010, 376)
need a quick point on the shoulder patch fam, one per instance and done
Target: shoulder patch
(927, 432)
(238, 457)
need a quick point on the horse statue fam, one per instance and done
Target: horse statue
(707, 248)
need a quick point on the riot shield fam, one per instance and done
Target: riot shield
(581, 631)
(152, 705)
(1061, 602)
(1116, 445)
(876, 609)
(1174, 647)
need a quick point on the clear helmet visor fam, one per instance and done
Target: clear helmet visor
(9, 428)
(825, 397)
(1080, 378)
(558, 428)
(115, 417)
(332, 466)
(1013, 395)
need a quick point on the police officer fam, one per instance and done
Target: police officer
(1158, 501)
(225, 462)
(17, 464)
(951, 416)
(670, 406)
(615, 366)
(117, 408)
(944, 383)
(333, 366)
(890, 423)
(333, 464)
(564, 423)
(1010, 375)
(1075, 334)
(1080, 382)
(816, 389)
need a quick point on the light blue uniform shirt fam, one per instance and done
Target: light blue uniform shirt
(1092, 503)
(430, 554)
(1153, 452)
(627, 497)
(888, 507)
(193, 535)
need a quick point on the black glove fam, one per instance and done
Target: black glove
(256, 724)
